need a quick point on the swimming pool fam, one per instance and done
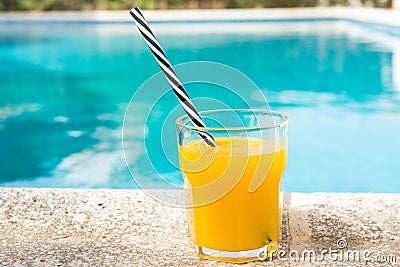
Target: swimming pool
(64, 90)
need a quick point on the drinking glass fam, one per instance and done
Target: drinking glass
(234, 190)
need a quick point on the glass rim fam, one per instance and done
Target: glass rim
(285, 119)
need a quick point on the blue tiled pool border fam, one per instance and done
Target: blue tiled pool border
(392, 30)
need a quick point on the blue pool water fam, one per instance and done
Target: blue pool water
(64, 90)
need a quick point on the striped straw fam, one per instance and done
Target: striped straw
(171, 76)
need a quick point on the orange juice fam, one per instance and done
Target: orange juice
(234, 192)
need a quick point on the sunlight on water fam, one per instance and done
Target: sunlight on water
(63, 94)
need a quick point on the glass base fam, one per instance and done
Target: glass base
(261, 254)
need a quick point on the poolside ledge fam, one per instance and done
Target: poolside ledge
(376, 16)
(78, 227)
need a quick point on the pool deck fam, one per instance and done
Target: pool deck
(79, 227)
(366, 15)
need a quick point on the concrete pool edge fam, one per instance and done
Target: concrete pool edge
(367, 15)
(126, 227)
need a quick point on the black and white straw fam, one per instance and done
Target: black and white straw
(170, 74)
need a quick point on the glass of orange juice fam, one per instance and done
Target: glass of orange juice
(233, 191)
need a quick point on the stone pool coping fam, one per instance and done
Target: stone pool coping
(384, 17)
(79, 227)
